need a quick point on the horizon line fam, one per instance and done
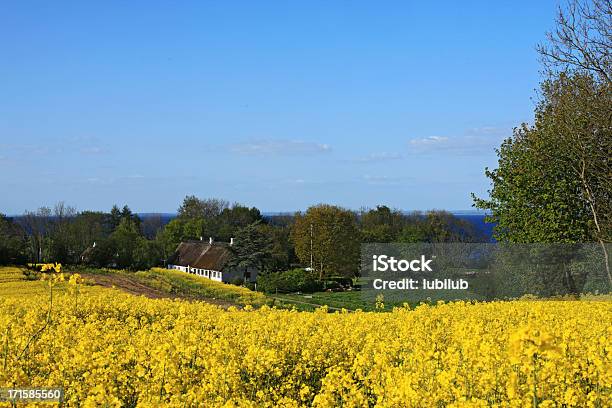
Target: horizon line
(289, 212)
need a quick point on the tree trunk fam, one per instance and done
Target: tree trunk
(606, 260)
(591, 201)
(570, 284)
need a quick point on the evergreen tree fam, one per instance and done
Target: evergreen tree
(252, 248)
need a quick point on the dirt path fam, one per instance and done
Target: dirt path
(133, 287)
(126, 284)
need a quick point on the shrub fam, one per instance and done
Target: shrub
(238, 281)
(294, 280)
(338, 283)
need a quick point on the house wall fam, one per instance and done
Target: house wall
(228, 276)
(205, 273)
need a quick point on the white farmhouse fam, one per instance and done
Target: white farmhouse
(209, 260)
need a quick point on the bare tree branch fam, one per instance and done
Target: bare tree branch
(581, 40)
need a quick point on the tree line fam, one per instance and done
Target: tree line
(324, 237)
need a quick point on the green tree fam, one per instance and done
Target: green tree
(251, 248)
(89, 227)
(125, 240)
(413, 232)
(553, 183)
(579, 48)
(282, 252)
(327, 238)
(179, 230)
(234, 218)
(581, 118)
(443, 226)
(62, 248)
(37, 225)
(101, 255)
(146, 254)
(194, 207)
(381, 224)
(13, 243)
(114, 217)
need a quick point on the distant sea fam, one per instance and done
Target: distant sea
(479, 222)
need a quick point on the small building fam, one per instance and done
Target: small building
(210, 260)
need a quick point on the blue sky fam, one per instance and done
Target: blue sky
(279, 105)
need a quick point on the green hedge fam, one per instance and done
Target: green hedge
(294, 280)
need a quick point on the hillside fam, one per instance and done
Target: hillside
(155, 284)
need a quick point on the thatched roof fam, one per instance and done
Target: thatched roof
(201, 255)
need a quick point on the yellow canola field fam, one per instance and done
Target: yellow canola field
(15, 284)
(107, 348)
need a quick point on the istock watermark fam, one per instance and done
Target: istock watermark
(386, 263)
(383, 263)
(429, 272)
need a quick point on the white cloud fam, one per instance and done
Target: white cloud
(491, 131)
(429, 141)
(381, 180)
(475, 141)
(92, 150)
(55, 146)
(279, 147)
(377, 157)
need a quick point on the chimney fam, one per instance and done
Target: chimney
(231, 241)
(210, 240)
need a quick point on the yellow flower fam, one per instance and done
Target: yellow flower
(116, 349)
